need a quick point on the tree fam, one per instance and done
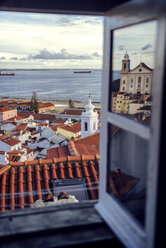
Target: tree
(34, 103)
(71, 104)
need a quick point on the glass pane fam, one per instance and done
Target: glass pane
(49, 111)
(128, 155)
(133, 63)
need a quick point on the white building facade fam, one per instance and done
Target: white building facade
(89, 120)
(137, 80)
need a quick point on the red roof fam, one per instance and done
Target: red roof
(4, 169)
(24, 183)
(34, 133)
(29, 150)
(93, 139)
(15, 152)
(58, 152)
(39, 117)
(2, 152)
(54, 128)
(72, 149)
(4, 109)
(74, 128)
(59, 121)
(10, 141)
(16, 118)
(72, 112)
(21, 127)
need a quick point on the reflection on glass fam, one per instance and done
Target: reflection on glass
(128, 155)
(133, 66)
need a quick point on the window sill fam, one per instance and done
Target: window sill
(61, 226)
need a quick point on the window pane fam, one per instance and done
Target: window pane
(133, 63)
(49, 111)
(128, 155)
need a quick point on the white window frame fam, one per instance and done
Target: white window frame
(117, 217)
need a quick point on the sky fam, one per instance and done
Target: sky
(51, 41)
(139, 41)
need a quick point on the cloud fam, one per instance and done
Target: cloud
(121, 48)
(2, 58)
(63, 54)
(146, 47)
(96, 54)
(14, 58)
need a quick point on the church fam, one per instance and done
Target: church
(89, 120)
(137, 80)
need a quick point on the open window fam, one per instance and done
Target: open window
(128, 196)
(130, 124)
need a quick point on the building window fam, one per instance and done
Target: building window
(85, 126)
(124, 67)
(147, 85)
(131, 80)
(94, 126)
(147, 80)
(139, 79)
(123, 81)
(123, 88)
(131, 86)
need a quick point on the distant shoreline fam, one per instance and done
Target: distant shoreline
(62, 104)
(55, 69)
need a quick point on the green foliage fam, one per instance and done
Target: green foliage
(71, 104)
(116, 85)
(74, 120)
(34, 103)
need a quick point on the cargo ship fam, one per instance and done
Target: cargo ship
(7, 74)
(83, 71)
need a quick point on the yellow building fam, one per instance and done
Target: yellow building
(113, 102)
(119, 102)
(125, 103)
(70, 131)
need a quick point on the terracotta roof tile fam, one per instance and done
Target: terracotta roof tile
(57, 152)
(54, 128)
(59, 121)
(74, 128)
(10, 141)
(4, 109)
(4, 169)
(21, 184)
(93, 139)
(121, 183)
(72, 112)
(16, 118)
(39, 117)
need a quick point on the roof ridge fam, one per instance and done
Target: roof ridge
(56, 160)
(72, 148)
(4, 169)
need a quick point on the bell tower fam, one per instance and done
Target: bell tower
(125, 63)
(89, 120)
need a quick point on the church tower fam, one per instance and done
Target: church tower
(124, 73)
(125, 64)
(89, 120)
